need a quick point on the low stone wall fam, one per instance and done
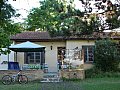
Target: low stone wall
(73, 74)
(31, 74)
(38, 74)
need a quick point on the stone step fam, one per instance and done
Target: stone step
(50, 80)
(51, 77)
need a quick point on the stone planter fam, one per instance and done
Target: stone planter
(73, 74)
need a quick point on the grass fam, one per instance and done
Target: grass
(87, 84)
(101, 84)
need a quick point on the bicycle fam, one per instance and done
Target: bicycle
(19, 77)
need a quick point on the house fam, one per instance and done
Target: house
(54, 47)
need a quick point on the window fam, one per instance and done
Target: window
(88, 53)
(35, 58)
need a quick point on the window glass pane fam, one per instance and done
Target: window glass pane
(34, 57)
(88, 53)
(37, 53)
(30, 53)
(31, 57)
(37, 57)
(31, 61)
(37, 61)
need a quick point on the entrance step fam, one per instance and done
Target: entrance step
(51, 77)
(50, 80)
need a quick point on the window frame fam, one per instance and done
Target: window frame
(88, 54)
(34, 54)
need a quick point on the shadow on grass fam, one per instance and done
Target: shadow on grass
(37, 85)
(61, 86)
(87, 84)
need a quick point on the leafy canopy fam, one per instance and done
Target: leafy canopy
(7, 27)
(61, 18)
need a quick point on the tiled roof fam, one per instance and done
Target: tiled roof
(45, 36)
(34, 36)
(31, 35)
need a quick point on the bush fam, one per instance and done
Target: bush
(89, 73)
(95, 73)
(106, 55)
(70, 79)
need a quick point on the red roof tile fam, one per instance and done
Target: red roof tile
(45, 36)
(31, 35)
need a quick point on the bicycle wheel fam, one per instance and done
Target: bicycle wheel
(6, 80)
(22, 79)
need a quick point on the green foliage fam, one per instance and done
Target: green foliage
(7, 27)
(113, 22)
(60, 19)
(96, 73)
(72, 79)
(107, 57)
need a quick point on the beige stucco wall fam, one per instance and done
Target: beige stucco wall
(71, 44)
(51, 55)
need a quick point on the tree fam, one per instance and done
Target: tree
(7, 27)
(107, 12)
(61, 18)
(107, 57)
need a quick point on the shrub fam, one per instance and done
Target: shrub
(106, 55)
(95, 73)
(70, 79)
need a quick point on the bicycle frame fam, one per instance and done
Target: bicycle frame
(7, 79)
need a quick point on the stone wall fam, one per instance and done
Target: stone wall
(31, 74)
(38, 74)
(73, 74)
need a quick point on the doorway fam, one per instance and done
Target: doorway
(60, 56)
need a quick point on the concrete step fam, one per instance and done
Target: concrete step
(51, 77)
(50, 80)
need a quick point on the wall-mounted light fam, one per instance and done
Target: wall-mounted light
(76, 48)
(51, 47)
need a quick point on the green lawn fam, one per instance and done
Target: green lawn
(101, 84)
(87, 84)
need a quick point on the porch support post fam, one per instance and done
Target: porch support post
(8, 62)
(16, 56)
